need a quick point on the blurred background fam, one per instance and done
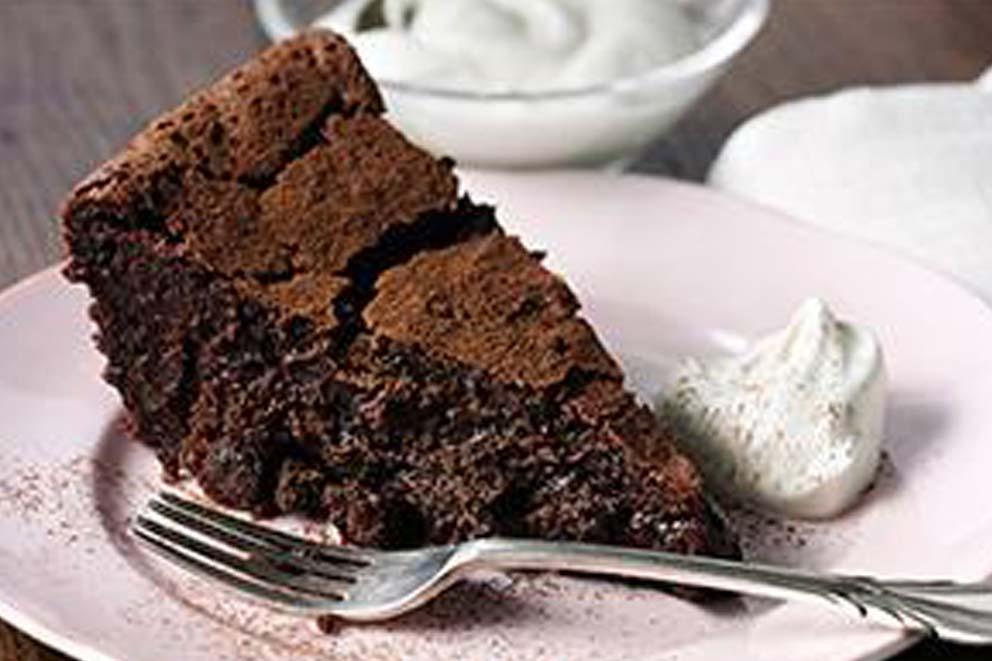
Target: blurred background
(78, 77)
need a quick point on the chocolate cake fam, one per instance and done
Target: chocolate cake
(302, 314)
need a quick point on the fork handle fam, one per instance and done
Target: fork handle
(954, 611)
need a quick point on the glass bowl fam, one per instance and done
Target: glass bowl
(596, 126)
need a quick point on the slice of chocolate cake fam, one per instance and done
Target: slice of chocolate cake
(301, 313)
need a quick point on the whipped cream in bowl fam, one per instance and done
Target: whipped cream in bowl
(793, 424)
(534, 83)
(496, 46)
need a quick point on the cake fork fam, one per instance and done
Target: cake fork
(357, 584)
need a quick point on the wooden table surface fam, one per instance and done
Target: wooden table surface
(77, 77)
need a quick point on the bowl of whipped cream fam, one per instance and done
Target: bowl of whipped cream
(534, 83)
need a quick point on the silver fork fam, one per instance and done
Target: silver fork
(306, 578)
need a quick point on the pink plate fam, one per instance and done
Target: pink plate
(664, 269)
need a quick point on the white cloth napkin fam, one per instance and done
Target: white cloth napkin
(908, 167)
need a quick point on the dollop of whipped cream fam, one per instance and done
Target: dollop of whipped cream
(513, 45)
(794, 424)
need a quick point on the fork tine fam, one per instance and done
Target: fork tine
(337, 571)
(258, 534)
(199, 525)
(198, 567)
(250, 566)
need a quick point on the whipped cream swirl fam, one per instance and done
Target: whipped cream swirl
(795, 423)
